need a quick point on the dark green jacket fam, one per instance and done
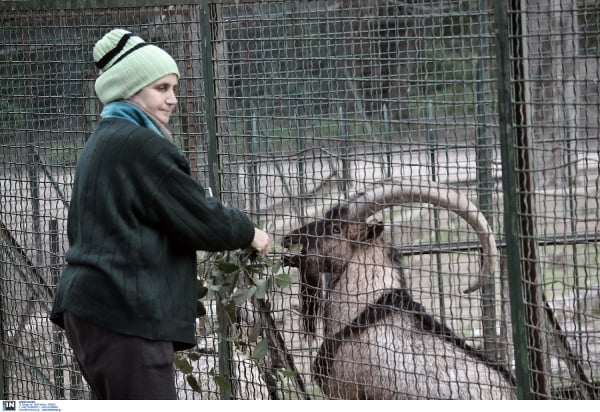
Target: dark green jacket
(136, 219)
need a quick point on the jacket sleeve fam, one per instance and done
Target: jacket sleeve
(176, 203)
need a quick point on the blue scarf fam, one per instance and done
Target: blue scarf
(130, 112)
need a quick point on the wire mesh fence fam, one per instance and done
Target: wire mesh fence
(287, 108)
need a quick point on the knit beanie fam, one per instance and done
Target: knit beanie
(127, 64)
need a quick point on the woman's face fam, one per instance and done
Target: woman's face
(158, 98)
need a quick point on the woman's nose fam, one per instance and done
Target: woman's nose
(172, 99)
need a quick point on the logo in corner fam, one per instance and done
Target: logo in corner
(9, 405)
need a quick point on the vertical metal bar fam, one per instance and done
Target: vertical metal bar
(387, 137)
(57, 335)
(524, 169)
(388, 163)
(253, 178)
(206, 52)
(432, 143)
(343, 130)
(189, 123)
(511, 224)
(34, 182)
(32, 162)
(3, 258)
(568, 126)
(485, 183)
(301, 170)
(91, 104)
(518, 202)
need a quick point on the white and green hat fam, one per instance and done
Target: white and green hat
(127, 64)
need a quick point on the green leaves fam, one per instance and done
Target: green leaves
(283, 280)
(260, 350)
(182, 364)
(241, 296)
(238, 277)
(261, 287)
(233, 279)
(226, 267)
(193, 382)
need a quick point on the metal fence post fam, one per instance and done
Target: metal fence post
(3, 258)
(343, 133)
(518, 202)
(57, 335)
(209, 97)
(432, 143)
(485, 180)
(223, 315)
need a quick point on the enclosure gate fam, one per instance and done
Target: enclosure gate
(285, 108)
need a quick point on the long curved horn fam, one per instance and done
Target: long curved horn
(393, 192)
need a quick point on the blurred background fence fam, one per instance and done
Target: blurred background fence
(285, 108)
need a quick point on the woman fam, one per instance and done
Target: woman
(127, 295)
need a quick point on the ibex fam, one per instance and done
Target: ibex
(378, 342)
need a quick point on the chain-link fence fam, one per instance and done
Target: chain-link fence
(288, 107)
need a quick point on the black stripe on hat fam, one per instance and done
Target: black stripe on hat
(134, 48)
(116, 50)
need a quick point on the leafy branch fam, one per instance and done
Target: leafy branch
(231, 280)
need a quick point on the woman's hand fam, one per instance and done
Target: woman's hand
(261, 242)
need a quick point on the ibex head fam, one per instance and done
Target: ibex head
(326, 242)
(329, 241)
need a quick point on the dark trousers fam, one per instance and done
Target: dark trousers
(119, 366)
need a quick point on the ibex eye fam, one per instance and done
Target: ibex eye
(336, 228)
